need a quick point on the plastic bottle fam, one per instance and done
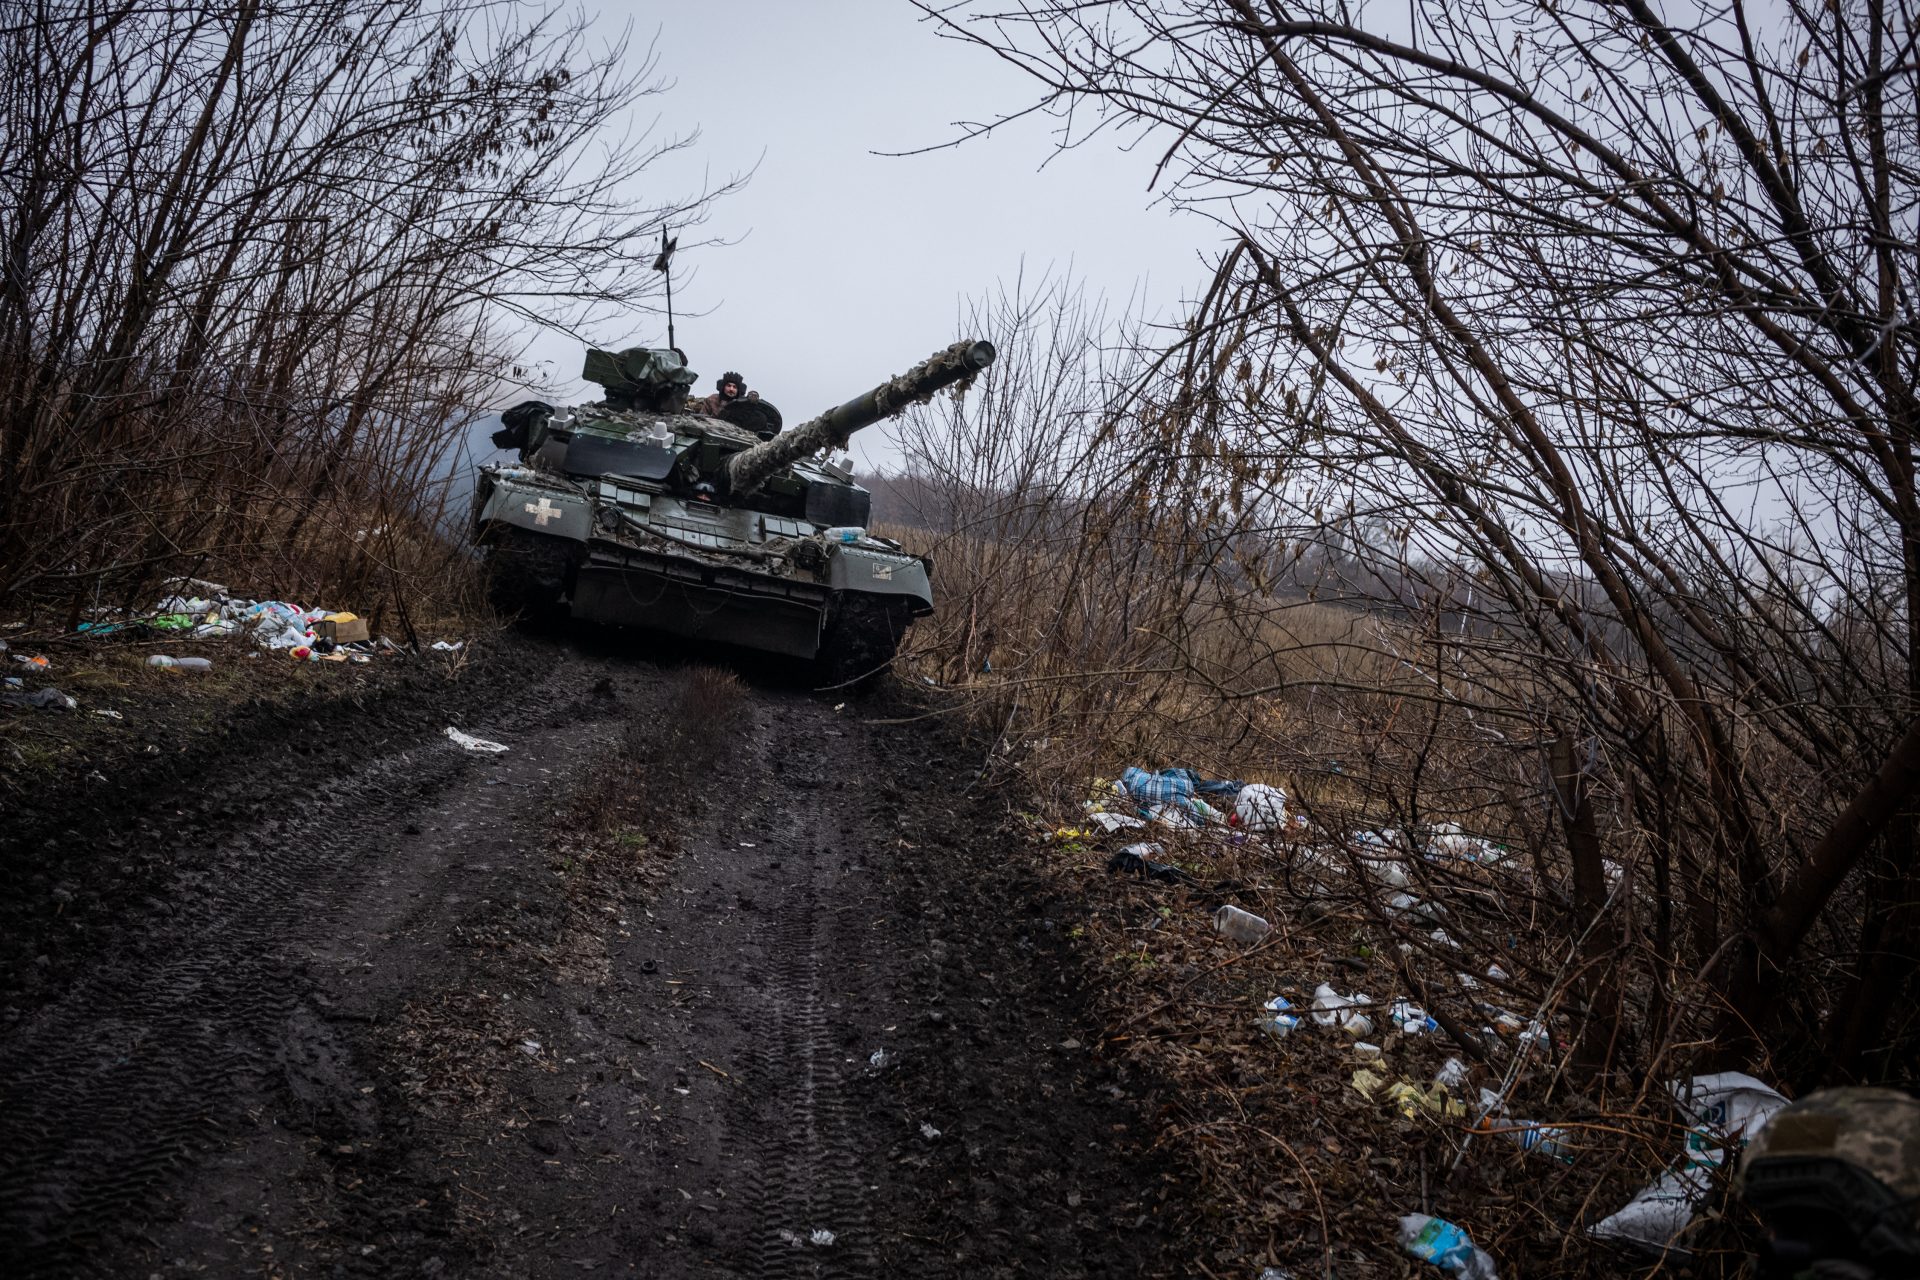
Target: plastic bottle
(1240, 926)
(200, 665)
(1446, 1246)
(1543, 1139)
(844, 533)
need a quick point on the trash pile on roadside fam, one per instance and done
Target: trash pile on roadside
(194, 610)
(1398, 884)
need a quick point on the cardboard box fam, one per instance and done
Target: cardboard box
(341, 629)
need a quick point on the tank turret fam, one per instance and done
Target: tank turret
(751, 468)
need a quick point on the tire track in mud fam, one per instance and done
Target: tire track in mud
(120, 1084)
(814, 1178)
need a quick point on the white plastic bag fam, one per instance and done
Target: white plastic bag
(472, 743)
(1261, 808)
(1727, 1108)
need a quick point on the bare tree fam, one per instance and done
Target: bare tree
(1606, 316)
(262, 261)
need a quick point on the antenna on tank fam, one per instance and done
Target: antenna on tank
(664, 265)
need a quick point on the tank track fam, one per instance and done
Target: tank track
(862, 635)
(528, 572)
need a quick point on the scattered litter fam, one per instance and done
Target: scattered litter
(1111, 822)
(1365, 1051)
(530, 1047)
(1260, 808)
(35, 661)
(1138, 859)
(821, 1237)
(928, 1132)
(1410, 1019)
(180, 664)
(1240, 926)
(877, 1059)
(793, 1238)
(1728, 1108)
(441, 646)
(472, 743)
(1531, 1135)
(1448, 843)
(1333, 1009)
(1435, 1099)
(47, 699)
(110, 715)
(1446, 1246)
(1172, 796)
(1280, 1022)
(1451, 1075)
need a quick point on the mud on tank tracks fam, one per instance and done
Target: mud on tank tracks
(375, 1010)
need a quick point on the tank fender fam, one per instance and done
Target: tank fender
(880, 573)
(558, 513)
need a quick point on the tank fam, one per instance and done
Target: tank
(636, 511)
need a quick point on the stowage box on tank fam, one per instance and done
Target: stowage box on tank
(635, 511)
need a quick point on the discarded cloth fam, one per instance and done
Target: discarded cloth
(47, 699)
(1179, 788)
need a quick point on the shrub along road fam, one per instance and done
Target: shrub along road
(694, 979)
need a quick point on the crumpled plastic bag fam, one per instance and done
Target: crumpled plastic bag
(472, 743)
(1728, 1108)
(1446, 1246)
(1260, 808)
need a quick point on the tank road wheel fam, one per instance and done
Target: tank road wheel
(527, 572)
(860, 641)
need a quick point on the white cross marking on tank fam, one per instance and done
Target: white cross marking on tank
(543, 512)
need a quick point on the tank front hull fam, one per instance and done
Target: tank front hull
(701, 602)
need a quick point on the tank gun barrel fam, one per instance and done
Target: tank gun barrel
(751, 468)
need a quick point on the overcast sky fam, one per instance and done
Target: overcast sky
(851, 265)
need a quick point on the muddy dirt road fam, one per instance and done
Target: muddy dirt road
(397, 1008)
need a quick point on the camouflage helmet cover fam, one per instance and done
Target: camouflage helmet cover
(1838, 1174)
(1877, 1130)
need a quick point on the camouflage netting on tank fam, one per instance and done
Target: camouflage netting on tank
(896, 395)
(600, 416)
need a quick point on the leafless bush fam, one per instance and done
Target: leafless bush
(1584, 338)
(1568, 352)
(261, 265)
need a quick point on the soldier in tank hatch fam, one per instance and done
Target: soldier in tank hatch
(728, 389)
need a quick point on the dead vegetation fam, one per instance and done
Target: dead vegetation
(263, 265)
(1482, 487)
